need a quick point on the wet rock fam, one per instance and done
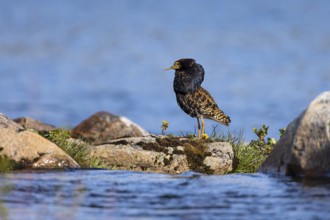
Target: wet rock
(103, 126)
(30, 123)
(304, 149)
(51, 161)
(21, 145)
(164, 154)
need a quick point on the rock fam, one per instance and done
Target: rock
(127, 154)
(51, 161)
(164, 154)
(7, 123)
(21, 145)
(221, 159)
(304, 149)
(103, 126)
(30, 123)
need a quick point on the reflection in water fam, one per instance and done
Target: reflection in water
(84, 194)
(5, 189)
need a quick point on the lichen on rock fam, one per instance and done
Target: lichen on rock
(165, 154)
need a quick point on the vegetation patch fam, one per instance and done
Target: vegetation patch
(7, 165)
(248, 156)
(77, 149)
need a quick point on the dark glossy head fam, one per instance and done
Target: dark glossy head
(182, 64)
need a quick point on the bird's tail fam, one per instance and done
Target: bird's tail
(221, 117)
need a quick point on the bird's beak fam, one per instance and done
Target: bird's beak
(170, 68)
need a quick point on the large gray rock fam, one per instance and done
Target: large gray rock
(165, 155)
(20, 145)
(304, 149)
(103, 126)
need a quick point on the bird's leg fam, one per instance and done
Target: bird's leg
(199, 129)
(203, 126)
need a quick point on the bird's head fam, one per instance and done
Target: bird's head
(185, 63)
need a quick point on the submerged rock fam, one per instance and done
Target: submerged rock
(29, 148)
(30, 123)
(304, 149)
(103, 126)
(165, 155)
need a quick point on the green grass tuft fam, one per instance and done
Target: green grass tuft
(248, 157)
(77, 149)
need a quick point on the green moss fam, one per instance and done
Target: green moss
(6, 164)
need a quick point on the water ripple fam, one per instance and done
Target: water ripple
(141, 195)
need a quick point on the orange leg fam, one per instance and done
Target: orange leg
(203, 126)
(199, 129)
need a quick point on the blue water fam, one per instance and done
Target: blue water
(61, 61)
(102, 194)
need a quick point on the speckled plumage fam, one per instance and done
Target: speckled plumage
(201, 103)
(191, 97)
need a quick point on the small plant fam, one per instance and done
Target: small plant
(189, 136)
(164, 126)
(282, 131)
(260, 143)
(261, 133)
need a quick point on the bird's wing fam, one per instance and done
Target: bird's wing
(208, 108)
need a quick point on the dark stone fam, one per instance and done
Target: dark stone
(103, 126)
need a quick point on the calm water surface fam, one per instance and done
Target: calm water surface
(103, 194)
(62, 61)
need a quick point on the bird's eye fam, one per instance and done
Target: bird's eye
(177, 65)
